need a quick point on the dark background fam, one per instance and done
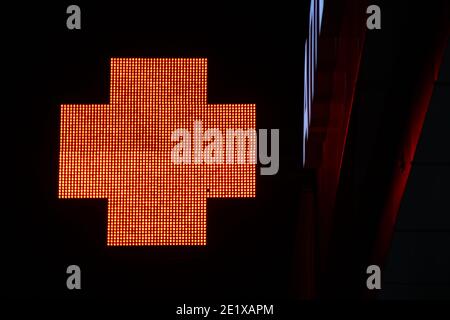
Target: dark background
(255, 55)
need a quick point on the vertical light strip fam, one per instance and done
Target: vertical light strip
(310, 67)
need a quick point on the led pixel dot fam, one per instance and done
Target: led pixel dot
(121, 151)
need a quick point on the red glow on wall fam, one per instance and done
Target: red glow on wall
(122, 152)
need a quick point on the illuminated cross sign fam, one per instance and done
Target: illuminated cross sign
(309, 78)
(121, 151)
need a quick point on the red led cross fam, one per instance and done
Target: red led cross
(122, 152)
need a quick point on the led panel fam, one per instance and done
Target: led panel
(122, 152)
